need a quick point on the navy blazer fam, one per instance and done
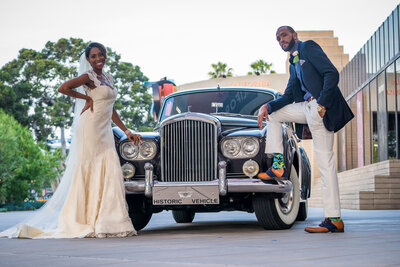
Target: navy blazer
(320, 78)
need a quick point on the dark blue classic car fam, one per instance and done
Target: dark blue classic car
(204, 156)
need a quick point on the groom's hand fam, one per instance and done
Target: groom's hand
(263, 112)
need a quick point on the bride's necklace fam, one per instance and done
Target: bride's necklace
(99, 77)
(103, 80)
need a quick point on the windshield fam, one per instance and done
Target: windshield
(235, 102)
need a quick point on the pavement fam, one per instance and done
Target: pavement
(371, 238)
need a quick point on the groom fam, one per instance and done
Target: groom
(311, 97)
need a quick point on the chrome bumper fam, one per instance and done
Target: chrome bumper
(224, 185)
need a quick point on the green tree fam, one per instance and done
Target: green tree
(259, 67)
(28, 87)
(220, 70)
(24, 165)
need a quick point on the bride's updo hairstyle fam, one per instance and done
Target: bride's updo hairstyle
(99, 46)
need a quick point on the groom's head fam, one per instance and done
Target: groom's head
(286, 37)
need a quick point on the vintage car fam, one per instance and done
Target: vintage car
(204, 156)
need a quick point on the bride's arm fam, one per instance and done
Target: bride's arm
(135, 138)
(67, 89)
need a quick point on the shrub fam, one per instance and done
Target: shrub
(24, 165)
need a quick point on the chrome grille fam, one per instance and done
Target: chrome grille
(189, 151)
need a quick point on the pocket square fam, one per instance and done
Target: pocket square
(302, 61)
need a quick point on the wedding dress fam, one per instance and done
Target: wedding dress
(90, 200)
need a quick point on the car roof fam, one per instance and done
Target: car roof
(232, 88)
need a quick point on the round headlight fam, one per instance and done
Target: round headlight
(250, 146)
(250, 168)
(128, 170)
(148, 149)
(129, 151)
(231, 147)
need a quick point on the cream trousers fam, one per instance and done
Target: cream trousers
(306, 113)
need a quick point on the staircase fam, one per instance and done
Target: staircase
(372, 187)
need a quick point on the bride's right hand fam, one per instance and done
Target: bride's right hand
(88, 104)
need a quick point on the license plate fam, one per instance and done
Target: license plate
(186, 195)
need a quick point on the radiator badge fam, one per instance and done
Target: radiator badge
(185, 194)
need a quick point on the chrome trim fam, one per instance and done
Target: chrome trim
(148, 178)
(222, 185)
(258, 186)
(238, 185)
(233, 185)
(135, 187)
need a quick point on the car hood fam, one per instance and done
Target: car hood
(229, 124)
(230, 121)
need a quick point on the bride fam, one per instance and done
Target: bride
(90, 200)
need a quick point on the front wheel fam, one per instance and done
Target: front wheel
(278, 213)
(140, 211)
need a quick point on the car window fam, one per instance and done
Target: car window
(236, 102)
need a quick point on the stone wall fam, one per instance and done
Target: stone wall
(375, 186)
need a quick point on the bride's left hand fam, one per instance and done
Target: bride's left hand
(135, 138)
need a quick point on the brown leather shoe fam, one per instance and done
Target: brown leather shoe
(327, 226)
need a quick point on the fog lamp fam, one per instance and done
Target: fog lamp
(128, 170)
(250, 168)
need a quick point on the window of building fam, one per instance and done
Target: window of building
(391, 108)
(367, 60)
(367, 126)
(345, 81)
(396, 30)
(341, 141)
(373, 54)
(356, 73)
(397, 87)
(360, 129)
(353, 76)
(385, 41)
(390, 37)
(374, 108)
(381, 48)
(348, 147)
(377, 51)
(382, 118)
(363, 65)
(354, 134)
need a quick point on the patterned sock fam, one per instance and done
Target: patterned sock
(278, 161)
(335, 219)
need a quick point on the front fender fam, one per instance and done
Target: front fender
(305, 174)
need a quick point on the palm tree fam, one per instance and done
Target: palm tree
(220, 70)
(260, 66)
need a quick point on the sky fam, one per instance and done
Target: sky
(180, 39)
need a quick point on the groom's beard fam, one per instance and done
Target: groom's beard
(290, 46)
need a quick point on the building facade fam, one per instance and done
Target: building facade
(371, 85)
(368, 147)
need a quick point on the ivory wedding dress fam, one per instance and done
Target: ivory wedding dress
(91, 201)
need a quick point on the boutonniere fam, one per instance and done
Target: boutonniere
(295, 55)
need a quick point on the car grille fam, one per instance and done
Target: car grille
(189, 150)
